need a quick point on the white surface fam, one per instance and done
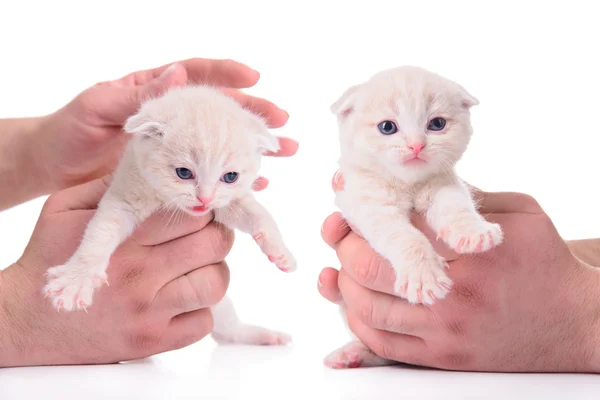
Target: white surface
(533, 66)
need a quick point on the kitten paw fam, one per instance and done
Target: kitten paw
(70, 289)
(277, 253)
(252, 335)
(473, 237)
(422, 280)
(354, 355)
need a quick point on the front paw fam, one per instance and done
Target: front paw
(277, 253)
(472, 236)
(71, 287)
(422, 279)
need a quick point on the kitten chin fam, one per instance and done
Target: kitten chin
(401, 134)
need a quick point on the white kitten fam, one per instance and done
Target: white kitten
(193, 150)
(401, 134)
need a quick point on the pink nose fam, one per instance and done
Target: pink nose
(416, 147)
(205, 199)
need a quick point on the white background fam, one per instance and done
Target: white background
(533, 65)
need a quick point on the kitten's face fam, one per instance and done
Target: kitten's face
(198, 149)
(405, 121)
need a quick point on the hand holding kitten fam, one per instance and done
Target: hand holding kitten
(84, 139)
(157, 300)
(527, 306)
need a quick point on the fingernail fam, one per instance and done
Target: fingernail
(336, 177)
(319, 283)
(167, 72)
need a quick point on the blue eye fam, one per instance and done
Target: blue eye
(387, 127)
(184, 173)
(230, 177)
(436, 124)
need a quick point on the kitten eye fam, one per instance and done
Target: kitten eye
(184, 173)
(436, 124)
(230, 177)
(387, 127)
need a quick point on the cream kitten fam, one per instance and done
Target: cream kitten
(193, 150)
(401, 134)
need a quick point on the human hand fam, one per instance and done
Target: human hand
(527, 305)
(84, 140)
(163, 279)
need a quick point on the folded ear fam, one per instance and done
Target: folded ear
(265, 141)
(467, 98)
(345, 104)
(140, 125)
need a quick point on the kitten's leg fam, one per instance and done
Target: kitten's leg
(383, 220)
(249, 216)
(71, 286)
(453, 216)
(229, 329)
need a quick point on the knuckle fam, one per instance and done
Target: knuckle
(366, 312)
(528, 202)
(367, 270)
(217, 284)
(144, 340)
(221, 240)
(468, 293)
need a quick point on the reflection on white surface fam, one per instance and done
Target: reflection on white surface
(207, 371)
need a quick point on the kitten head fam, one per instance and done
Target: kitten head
(198, 148)
(405, 121)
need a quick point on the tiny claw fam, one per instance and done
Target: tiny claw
(491, 238)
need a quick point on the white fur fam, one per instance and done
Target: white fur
(381, 189)
(200, 129)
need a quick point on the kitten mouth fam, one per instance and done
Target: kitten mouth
(414, 161)
(199, 209)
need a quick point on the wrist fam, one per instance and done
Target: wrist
(15, 327)
(21, 164)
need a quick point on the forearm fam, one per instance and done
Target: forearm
(19, 169)
(587, 250)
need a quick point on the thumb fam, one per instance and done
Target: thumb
(82, 197)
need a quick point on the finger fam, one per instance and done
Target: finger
(273, 115)
(328, 285)
(382, 311)
(200, 288)
(168, 225)
(178, 257)
(337, 182)
(507, 202)
(186, 329)
(227, 73)
(118, 100)
(391, 346)
(82, 197)
(287, 147)
(260, 184)
(334, 229)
